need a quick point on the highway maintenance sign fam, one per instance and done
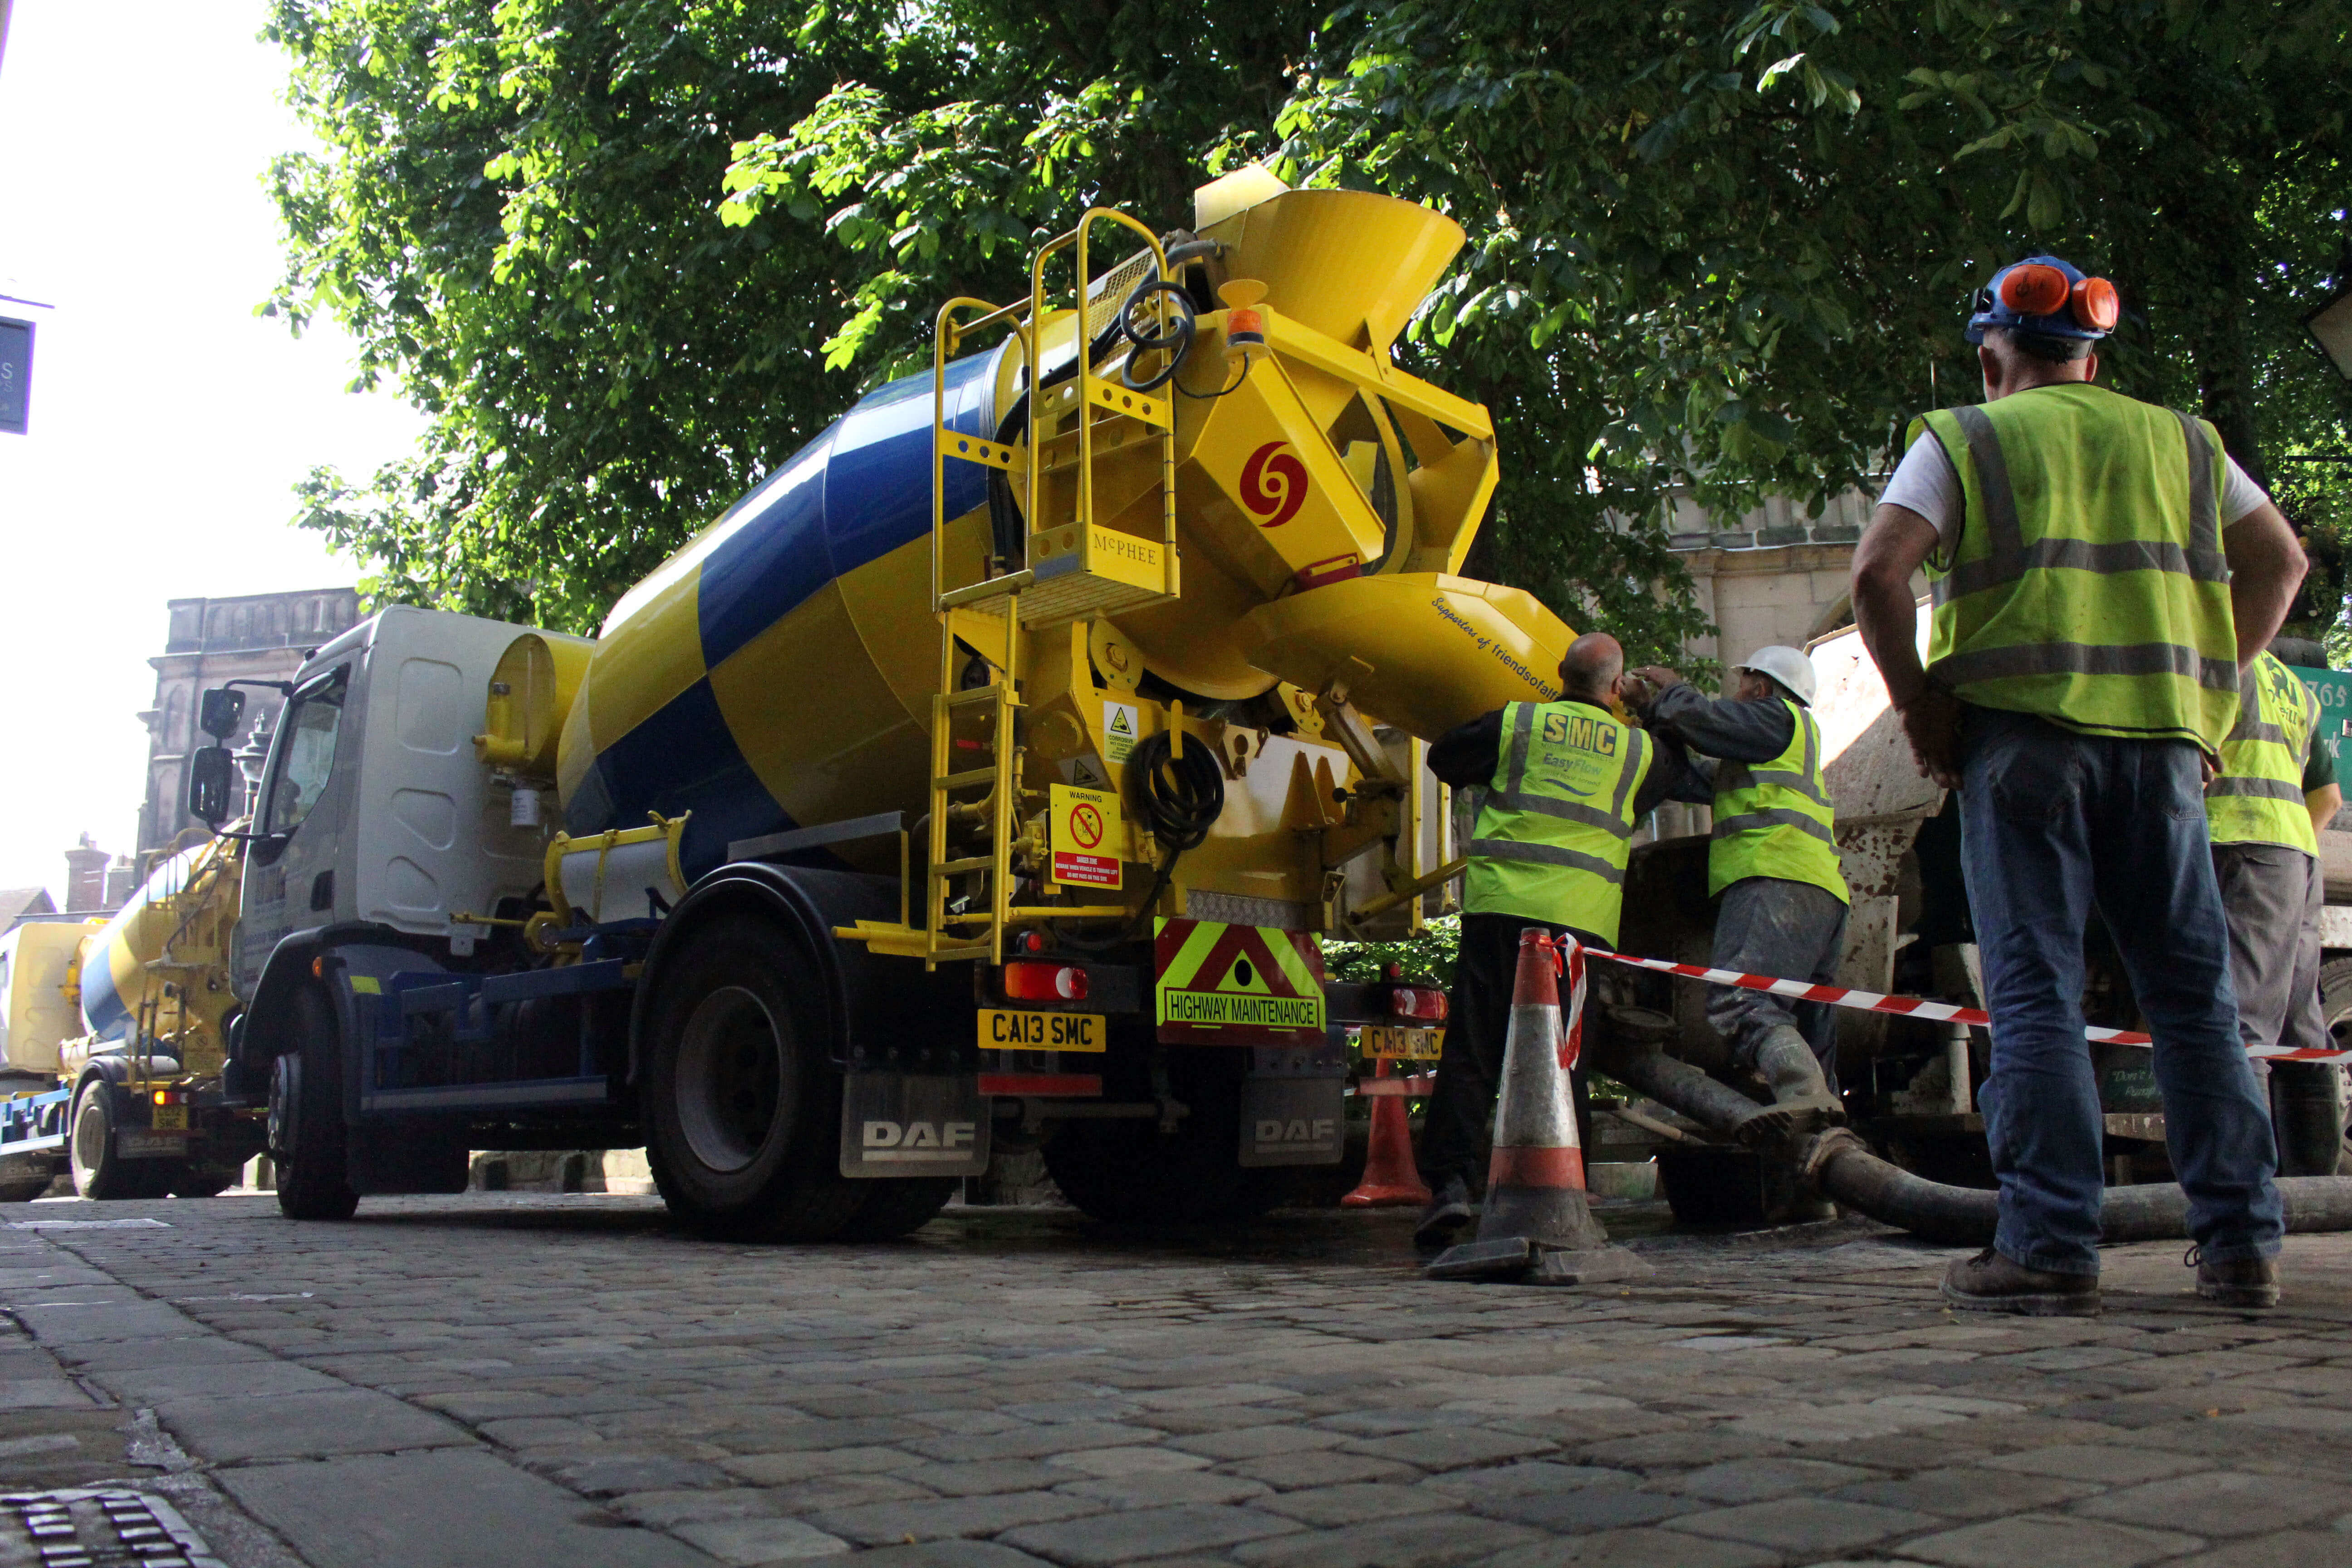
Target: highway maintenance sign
(1088, 837)
(1237, 985)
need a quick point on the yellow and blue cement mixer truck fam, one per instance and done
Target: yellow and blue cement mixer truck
(984, 776)
(114, 1037)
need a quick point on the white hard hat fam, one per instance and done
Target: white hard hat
(1791, 668)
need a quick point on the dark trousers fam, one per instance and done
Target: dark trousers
(1457, 1127)
(2052, 822)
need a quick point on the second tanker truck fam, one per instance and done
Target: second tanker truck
(985, 774)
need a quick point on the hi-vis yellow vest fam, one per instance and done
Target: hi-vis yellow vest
(1773, 820)
(2257, 796)
(2088, 584)
(1556, 825)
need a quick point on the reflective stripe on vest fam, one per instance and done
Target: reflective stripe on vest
(2257, 796)
(1774, 819)
(1556, 825)
(2089, 516)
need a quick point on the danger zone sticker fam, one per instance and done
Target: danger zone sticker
(1088, 837)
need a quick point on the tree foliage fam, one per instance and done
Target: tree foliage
(629, 254)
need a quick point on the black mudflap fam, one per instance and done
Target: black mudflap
(897, 1125)
(1294, 1106)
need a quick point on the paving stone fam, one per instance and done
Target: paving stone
(1805, 1524)
(1257, 1442)
(949, 1554)
(1528, 1476)
(1969, 1493)
(2112, 1464)
(876, 1524)
(1315, 1468)
(1166, 1487)
(1134, 1535)
(1451, 1448)
(984, 1476)
(453, 1509)
(304, 1426)
(1636, 1549)
(769, 1469)
(1424, 1540)
(2049, 1541)
(2222, 1503)
(1031, 1442)
(750, 1541)
(1753, 1480)
(1134, 1461)
(1353, 1504)
(158, 1384)
(2286, 1549)
(600, 1475)
(1588, 1508)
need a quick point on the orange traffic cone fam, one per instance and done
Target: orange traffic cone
(1537, 1220)
(1391, 1178)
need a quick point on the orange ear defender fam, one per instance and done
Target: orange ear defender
(2095, 305)
(2033, 288)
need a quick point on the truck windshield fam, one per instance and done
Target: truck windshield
(305, 756)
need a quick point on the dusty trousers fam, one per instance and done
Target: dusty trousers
(2273, 896)
(1793, 930)
(1457, 1126)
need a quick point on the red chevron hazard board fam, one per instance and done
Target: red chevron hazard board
(1222, 985)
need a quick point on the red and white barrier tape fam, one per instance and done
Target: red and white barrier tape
(1913, 1006)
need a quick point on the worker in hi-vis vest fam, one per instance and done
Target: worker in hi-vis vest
(2266, 809)
(1774, 863)
(1564, 783)
(2101, 571)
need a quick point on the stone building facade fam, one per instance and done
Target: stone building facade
(1774, 576)
(254, 637)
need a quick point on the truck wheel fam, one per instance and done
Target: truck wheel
(1131, 1173)
(98, 1171)
(307, 1135)
(743, 1106)
(896, 1208)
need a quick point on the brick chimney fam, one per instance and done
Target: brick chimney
(86, 876)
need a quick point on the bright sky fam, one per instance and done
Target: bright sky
(168, 422)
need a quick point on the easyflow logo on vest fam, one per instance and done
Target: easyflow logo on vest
(1577, 752)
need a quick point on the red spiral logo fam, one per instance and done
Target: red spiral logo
(1274, 484)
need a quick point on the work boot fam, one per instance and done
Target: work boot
(1447, 1212)
(1803, 1102)
(2238, 1282)
(1989, 1282)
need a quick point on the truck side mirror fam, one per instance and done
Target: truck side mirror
(221, 707)
(211, 775)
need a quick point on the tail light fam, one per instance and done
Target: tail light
(169, 1097)
(1045, 982)
(1417, 1001)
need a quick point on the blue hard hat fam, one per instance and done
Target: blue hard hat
(2071, 304)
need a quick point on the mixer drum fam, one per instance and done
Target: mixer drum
(778, 670)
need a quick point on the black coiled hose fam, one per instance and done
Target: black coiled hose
(1180, 797)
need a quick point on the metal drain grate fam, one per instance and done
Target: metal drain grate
(99, 1527)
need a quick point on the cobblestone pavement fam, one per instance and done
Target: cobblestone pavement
(552, 1380)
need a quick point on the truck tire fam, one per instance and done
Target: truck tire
(307, 1136)
(1131, 1175)
(896, 1208)
(743, 1102)
(98, 1171)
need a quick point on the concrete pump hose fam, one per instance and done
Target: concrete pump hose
(1842, 1166)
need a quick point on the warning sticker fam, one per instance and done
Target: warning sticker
(1231, 985)
(1122, 726)
(1088, 837)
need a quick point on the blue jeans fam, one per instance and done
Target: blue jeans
(2050, 822)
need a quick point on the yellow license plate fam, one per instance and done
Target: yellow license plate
(1402, 1045)
(1002, 1030)
(171, 1118)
